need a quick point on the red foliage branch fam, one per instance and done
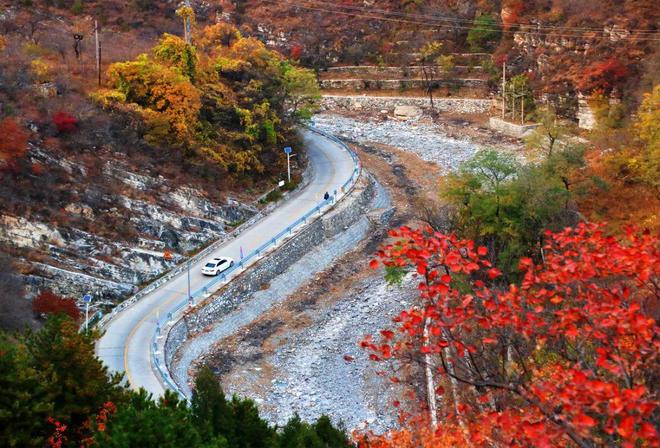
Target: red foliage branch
(48, 303)
(58, 438)
(603, 75)
(568, 358)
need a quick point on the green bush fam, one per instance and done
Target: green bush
(484, 34)
(506, 206)
(77, 7)
(52, 377)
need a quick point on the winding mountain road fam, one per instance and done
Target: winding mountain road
(125, 345)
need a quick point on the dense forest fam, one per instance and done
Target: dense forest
(56, 393)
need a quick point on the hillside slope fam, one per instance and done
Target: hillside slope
(105, 188)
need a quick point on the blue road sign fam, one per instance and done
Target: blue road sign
(287, 150)
(87, 298)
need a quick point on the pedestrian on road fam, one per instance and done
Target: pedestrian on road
(326, 196)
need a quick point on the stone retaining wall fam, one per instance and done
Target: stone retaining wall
(512, 129)
(401, 84)
(258, 276)
(374, 71)
(389, 103)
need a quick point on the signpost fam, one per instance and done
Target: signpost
(87, 299)
(287, 151)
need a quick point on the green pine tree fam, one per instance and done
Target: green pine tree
(25, 404)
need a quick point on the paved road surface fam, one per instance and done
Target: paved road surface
(125, 346)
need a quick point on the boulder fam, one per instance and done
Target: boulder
(81, 210)
(407, 112)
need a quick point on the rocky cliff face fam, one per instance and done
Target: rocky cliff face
(155, 224)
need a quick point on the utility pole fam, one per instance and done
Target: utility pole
(187, 23)
(503, 90)
(98, 51)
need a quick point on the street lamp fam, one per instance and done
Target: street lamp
(87, 299)
(287, 151)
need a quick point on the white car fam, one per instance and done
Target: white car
(217, 265)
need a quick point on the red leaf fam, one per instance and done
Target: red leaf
(584, 420)
(373, 264)
(387, 334)
(482, 251)
(626, 427)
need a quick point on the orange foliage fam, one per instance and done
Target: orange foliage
(13, 141)
(416, 434)
(603, 75)
(623, 202)
(511, 10)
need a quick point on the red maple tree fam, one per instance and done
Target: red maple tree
(567, 358)
(603, 75)
(65, 122)
(49, 303)
(296, 51)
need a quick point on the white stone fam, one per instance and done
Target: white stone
(407, 112)
(23, 233)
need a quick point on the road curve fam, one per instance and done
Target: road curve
(125, 344)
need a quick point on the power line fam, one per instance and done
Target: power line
(437, 17)
(369, 15)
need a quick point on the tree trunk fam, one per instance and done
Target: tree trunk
(430, 382)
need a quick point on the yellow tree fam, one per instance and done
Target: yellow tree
(648, 130)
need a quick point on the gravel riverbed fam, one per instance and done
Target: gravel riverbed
(425, 140)
(312, 374)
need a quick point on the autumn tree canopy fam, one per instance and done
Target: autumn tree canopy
(229, 100)
(13, 144)
(567, 358)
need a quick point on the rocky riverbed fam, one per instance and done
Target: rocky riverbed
(322, 370)
(447, 142)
